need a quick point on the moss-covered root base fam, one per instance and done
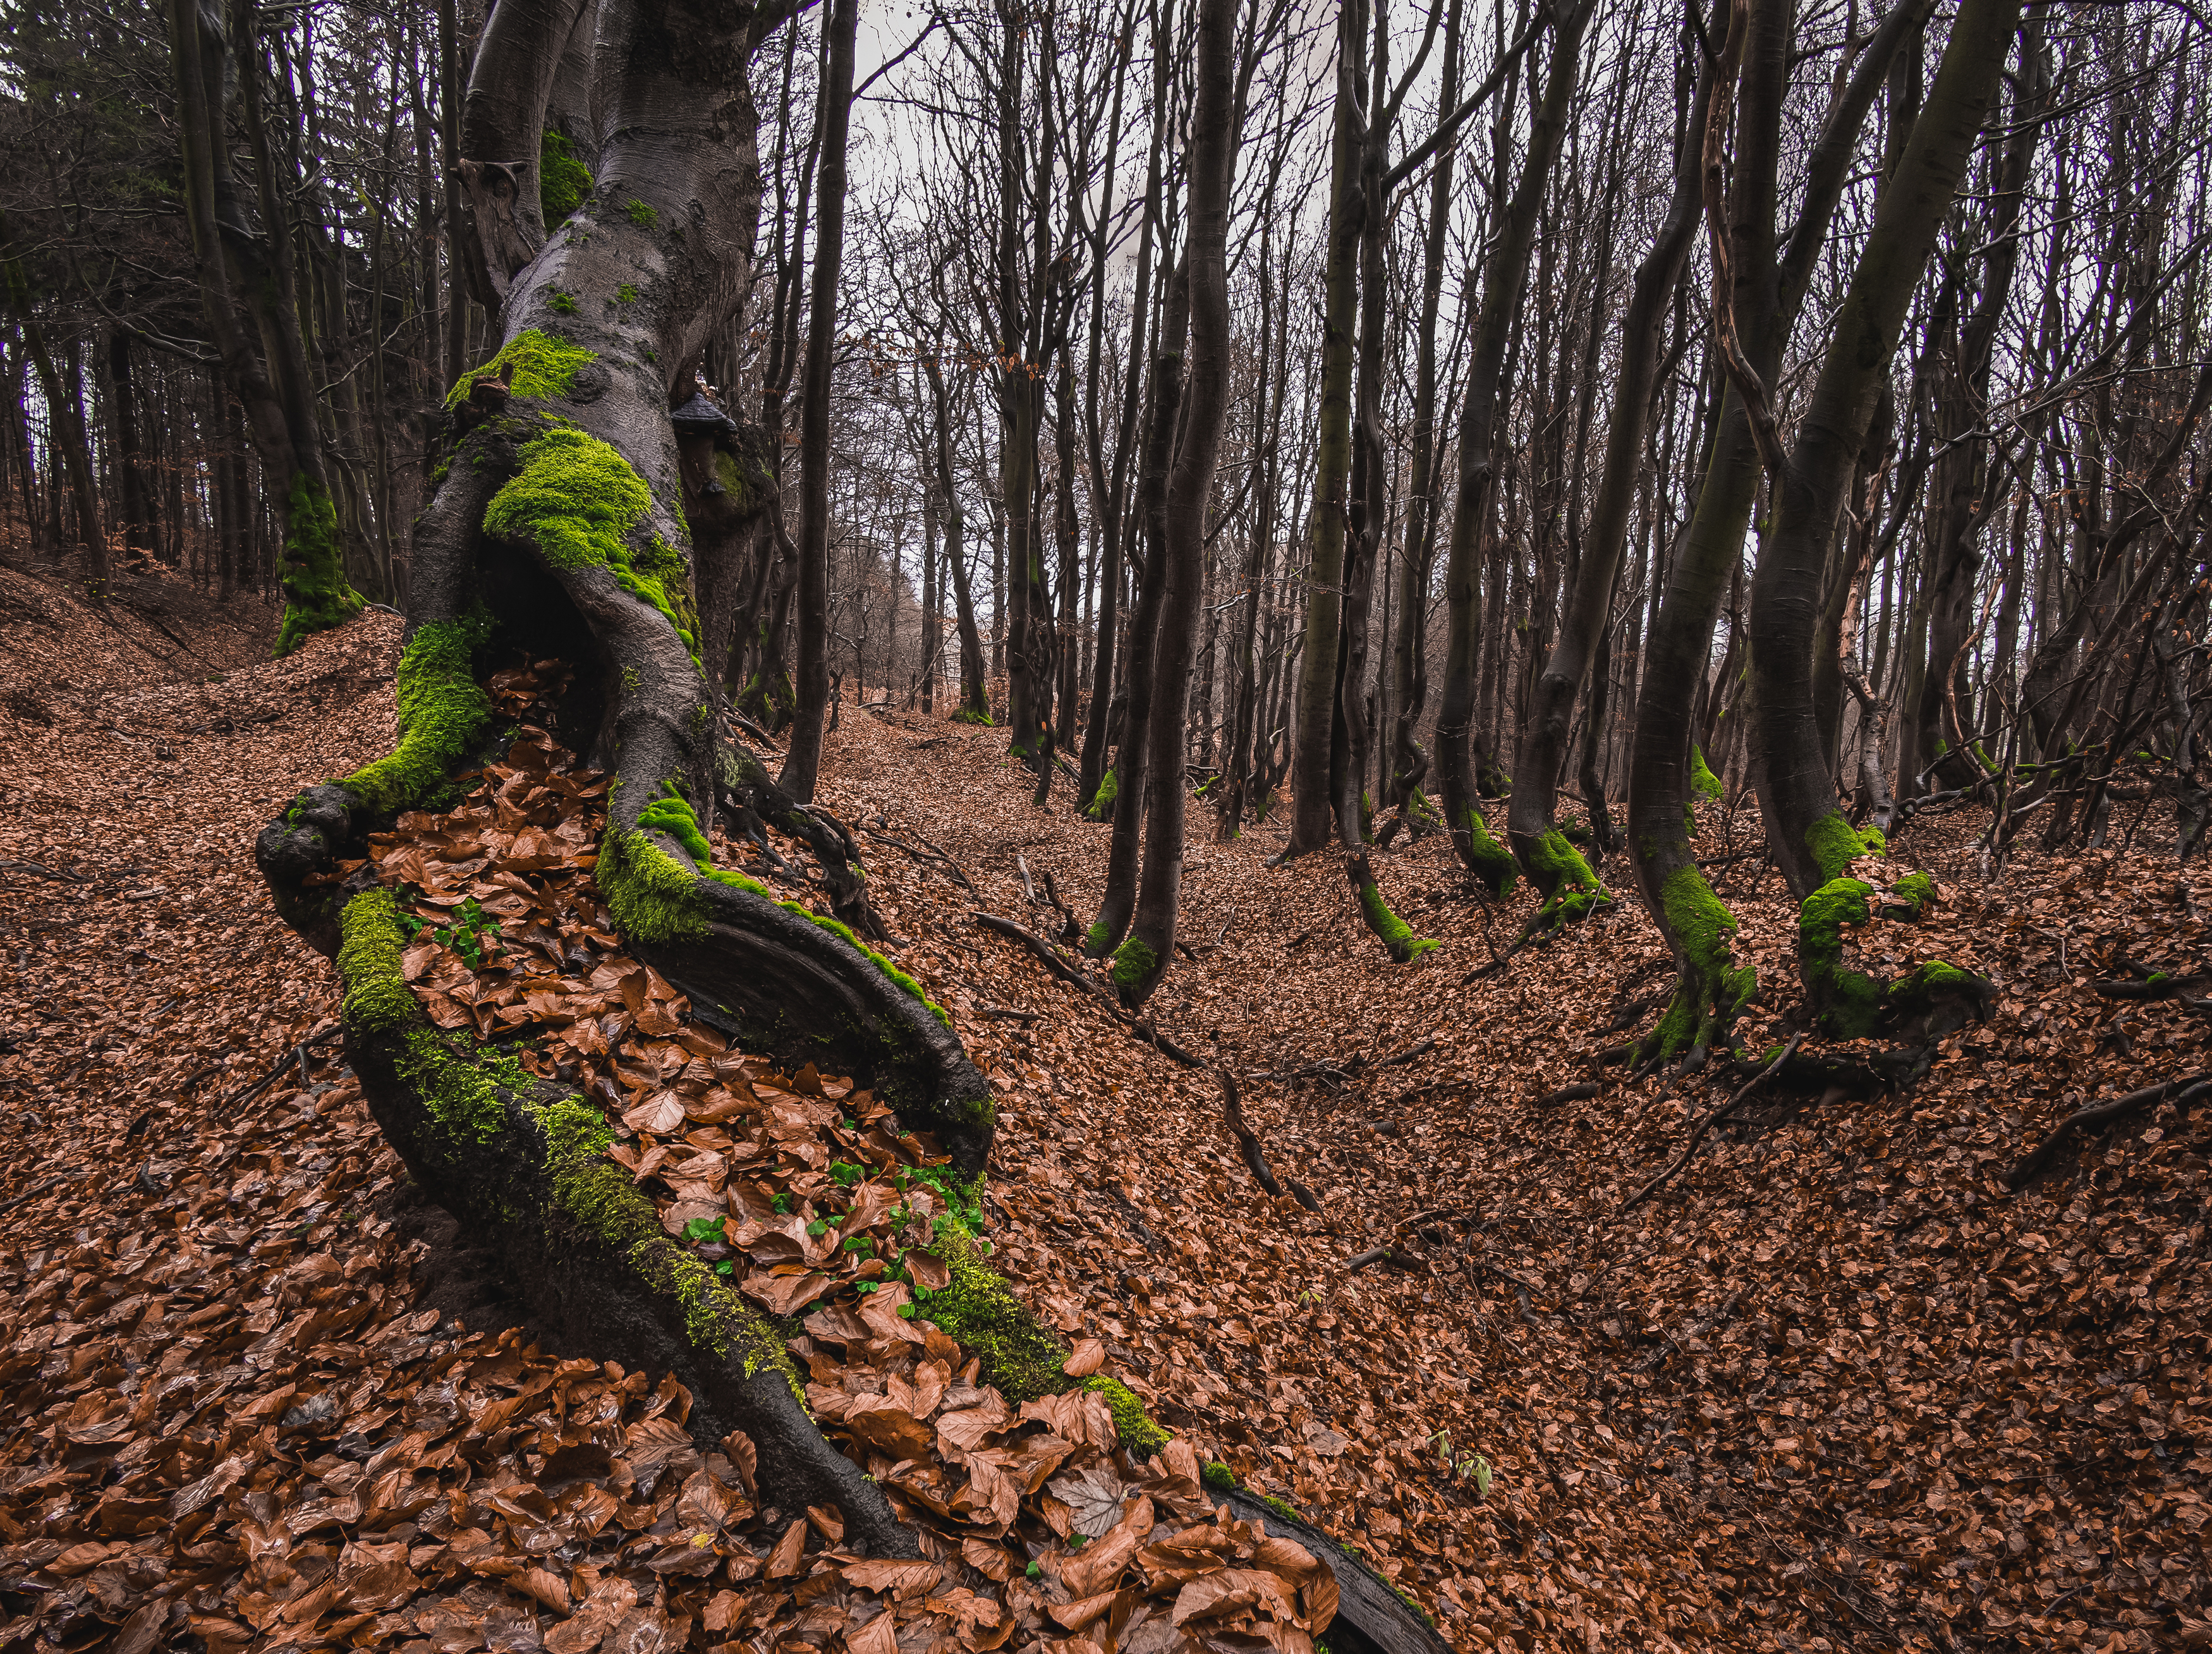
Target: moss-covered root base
(1137, 971)
(1023, 1357)
(1572, 891)
(1711, 989)
(316, 595)
(1491, 862)
(521, 1167)
(1848, 1002)
(1395, 934)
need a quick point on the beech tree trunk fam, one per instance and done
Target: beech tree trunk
(1142, 960)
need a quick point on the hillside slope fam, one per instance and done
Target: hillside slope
(1834, 1387)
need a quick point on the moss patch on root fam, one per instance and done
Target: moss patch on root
(1101, 807)
(536, 364)
(1490, 862)
(316, 595)
(1133, 964)
(655, 899)
(460, 1087)
(441, 711)
(1849, 1002)
(1713, 988)
(1396, 934)
(1703, 782)
(1556, 866)
(977, 1310)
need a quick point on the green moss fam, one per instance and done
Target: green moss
(651, 897)
(1835, 844)
(1917, 890)
(1218, 1476)
(460, 1087)
(1133, 964)
(563, 181)
(1133, 1425)
(1397, 935)
(1559, 869)
(1713, 988)
(654, 898)
(316, 595)
(441, 711)
(1490, 862)
(642, 215)
(1848, 1001)
(538, 364)
(1097, 939)
(562, 302)
(1019, 1355)
(626, 294)
(1703, 781)
(1934, 977)
(1102, 802)
(1422, 817)
(577, 500)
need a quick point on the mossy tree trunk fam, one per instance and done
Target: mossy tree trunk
(1811, 841)
(559, 528)
(1767, 288)
(248, 300)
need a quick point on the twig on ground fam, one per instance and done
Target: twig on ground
(35, 869)
(1697, 1134)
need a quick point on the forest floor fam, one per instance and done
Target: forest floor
(1836, 1386)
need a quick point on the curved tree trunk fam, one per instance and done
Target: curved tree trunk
(556, 526)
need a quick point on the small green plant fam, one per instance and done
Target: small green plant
(563, 303)
(626, 294)
(642, 215)
(1462, 1467)
(780, 1203)
(473, 935)
(1035, 1570)
(845, 1174)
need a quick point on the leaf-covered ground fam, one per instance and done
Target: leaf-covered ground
(1836, 1386)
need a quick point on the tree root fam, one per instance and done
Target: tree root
(1714, 1117)
(2185, 1088)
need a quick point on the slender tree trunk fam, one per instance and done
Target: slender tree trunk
(1142, 960)
(1505, 275)
(1548, 861)
(802, 764)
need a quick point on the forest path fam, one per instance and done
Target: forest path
(1835, 1384)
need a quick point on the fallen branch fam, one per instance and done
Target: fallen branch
(1074, 978)
(1698, 1134)
(1043, 950)
(1005, 1013)
(2160, 987)
(1395, 1259)
(1580, 1092)
(2185, 1088)
(43, 872)
(1248, 1143)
